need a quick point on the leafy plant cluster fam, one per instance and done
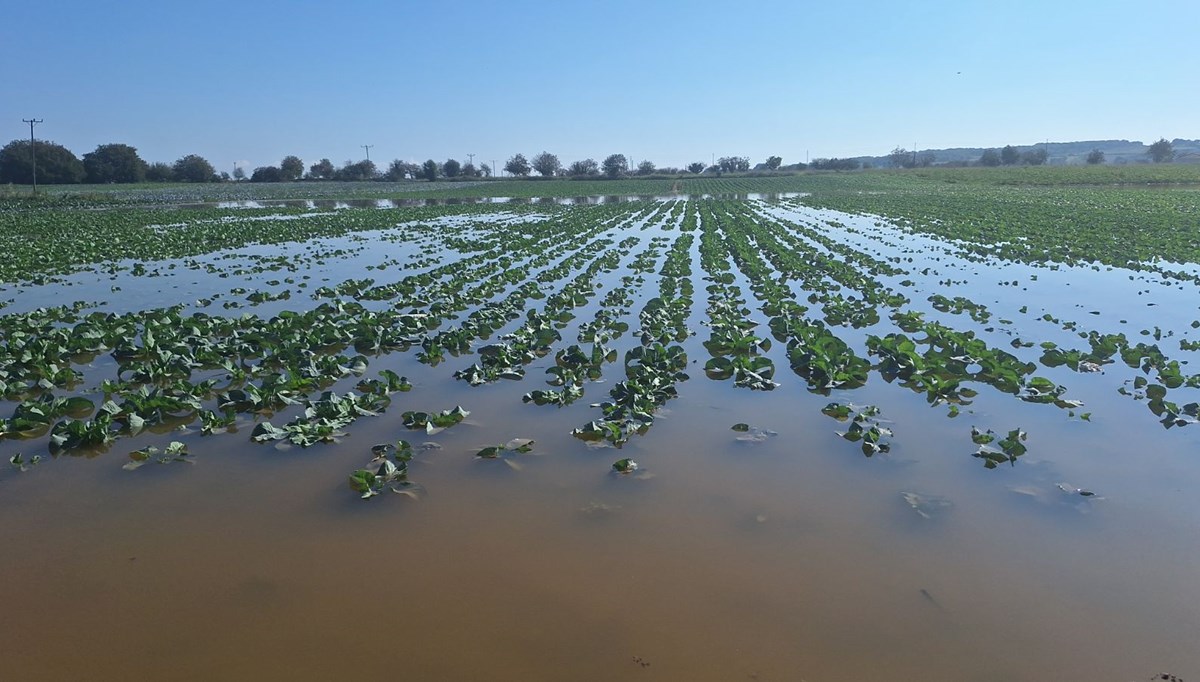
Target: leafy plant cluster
(654, 368)
(81, 378)
(1084, 224)
(575, 365)
(863, 426)
(731, 341)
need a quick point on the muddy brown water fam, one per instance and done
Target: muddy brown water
(795, 558)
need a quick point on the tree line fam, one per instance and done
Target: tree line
(120, 163)
(548, 165)
(1159, 152)
(108, 163)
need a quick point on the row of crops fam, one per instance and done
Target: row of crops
(596, 293)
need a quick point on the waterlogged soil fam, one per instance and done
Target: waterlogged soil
(777, 551)
(335, 204)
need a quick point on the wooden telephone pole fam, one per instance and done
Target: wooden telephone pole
(33, 149)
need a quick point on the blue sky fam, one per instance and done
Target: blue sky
(672, 82)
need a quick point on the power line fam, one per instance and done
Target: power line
(33, 148)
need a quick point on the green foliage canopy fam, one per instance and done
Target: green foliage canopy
(56, 165)
(322, 170)
(518, 166)
(194, 168)
(615, 165)
(114, 163)
(291, 168)
(1161, 151)
(546, 164)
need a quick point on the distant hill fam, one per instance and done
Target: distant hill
(1061, 153)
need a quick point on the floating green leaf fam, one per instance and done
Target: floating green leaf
(625, 466)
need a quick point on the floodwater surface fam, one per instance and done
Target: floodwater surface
(777, 553)
(337, 204)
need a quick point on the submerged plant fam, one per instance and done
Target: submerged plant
(387, 470)
(1008, 449)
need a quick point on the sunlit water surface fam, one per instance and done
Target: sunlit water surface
(787, 559)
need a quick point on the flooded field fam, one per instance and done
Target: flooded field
(703, 438)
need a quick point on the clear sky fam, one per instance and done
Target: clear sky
(673, 82)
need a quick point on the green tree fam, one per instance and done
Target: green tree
(114, 163)
(291, 168)
(322, 170)
(354, 172)
(774, 162)
(396, 171)
(518, 166)
(900, 158)
(1035, 157)
(452, 168)
(696, 168)
(485, 170)
(238, 173)
(645, 168)
(400, 170)
(1009, 156)
(469, 170)
(734, 164)
(615, 165)
(193, 168)
(836, 164)
(1095, 157)
(1161, 151)
(583, 168)
(56, 165)
(267, 174)
(429, 170)
(546, 164)
(161, 172)
(990, 157)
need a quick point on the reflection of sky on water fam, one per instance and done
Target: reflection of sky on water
(339, 204)
(1126, 301)
(796, 552)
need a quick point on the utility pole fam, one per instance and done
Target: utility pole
(493, 168)
(368, 148)
(33, 148)
(471, 159)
